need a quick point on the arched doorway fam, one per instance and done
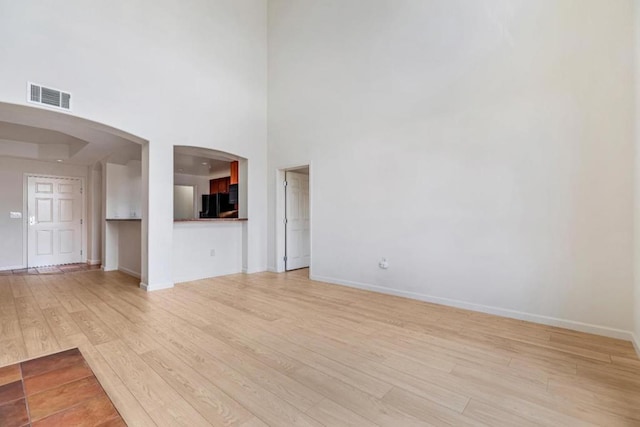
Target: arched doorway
(52, 145)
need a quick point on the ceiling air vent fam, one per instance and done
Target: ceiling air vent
(38, 94)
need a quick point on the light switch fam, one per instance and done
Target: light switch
(15, 215)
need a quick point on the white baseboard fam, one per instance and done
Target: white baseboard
(513, 314)
(13, 267)
(129, 272)
(636, 343)
(204, 276)
(94, 261)
(155, 287)
(272, 270)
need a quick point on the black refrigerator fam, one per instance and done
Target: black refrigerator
(214, 204)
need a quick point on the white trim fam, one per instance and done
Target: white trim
(272, 269)
(150, 288)
(185, 279)
(13, 267)
(636, 343)
(280, 213)
(513, 314)
(94, 261)
(279, 226)
(105, 269)
(25, 218)
(129, 272)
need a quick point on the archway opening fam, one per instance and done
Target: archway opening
(64, 219)
(210, 213)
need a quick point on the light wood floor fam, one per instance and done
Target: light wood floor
(281, 350)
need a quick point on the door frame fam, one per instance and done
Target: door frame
(280, 230)
(25, 213)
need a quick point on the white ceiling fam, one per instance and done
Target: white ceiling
(202, 161)
(202, 166)
(40, 134)
(37, 134)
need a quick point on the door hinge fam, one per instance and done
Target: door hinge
(285, 183)
(285, 221)
(81, 190)
(285, 259)
(80, 251)
(81, 221)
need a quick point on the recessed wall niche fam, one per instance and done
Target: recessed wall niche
(208, 184)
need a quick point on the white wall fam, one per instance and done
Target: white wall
(129, 247)
(94, 215)
(192, 246)
(184, 202)
(637, 179)
(12, 250)
(484, 148)
(123, 199)
(123, 246)
(123, 194)
(173, 73)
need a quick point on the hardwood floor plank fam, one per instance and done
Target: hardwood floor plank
(5, 283)
(363, 404)
(280, 349)
(129, 407)
(12, 351)
(330, 413)
(492, 416)
(164, 404)
(272, 345)
(265, 405)
(96, 330)
(60, 322)
(442, 393)
(38, 337)
(268, 378)
(63, 290)
(425, 410)
(131, 334)
(18, 287)
(603, 406)
(10, 325)
(214, 404)
(44, 297)
(254, 422)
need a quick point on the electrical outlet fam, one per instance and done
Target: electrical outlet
(212, 252)
(383, 264)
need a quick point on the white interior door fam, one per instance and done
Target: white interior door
(55, 221)
(298, 242)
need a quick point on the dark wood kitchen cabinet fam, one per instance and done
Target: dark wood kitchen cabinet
(234, 172)
(219, 185)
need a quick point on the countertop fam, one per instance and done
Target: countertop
(186, 220)
(211, 219)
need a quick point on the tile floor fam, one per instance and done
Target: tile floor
(55, 390)
(57, 269)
